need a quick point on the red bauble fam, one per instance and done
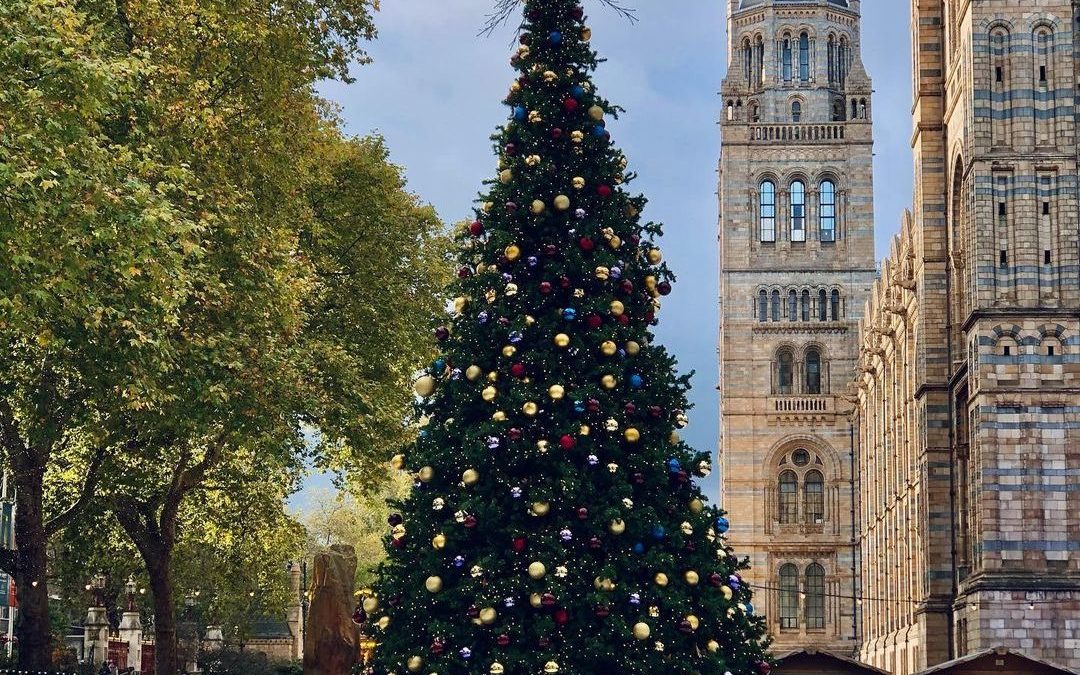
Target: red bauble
(565, 282)
(685, 627)
(473, 612)
(577, 14)
(548, 600)
(716, 580)
(650, 316)
(464, 272)
(470, 521)
(398, 543)
(630, 409)
(570, 104)
(518, 370)
(476, 228)
(682, 477)
(664, 288)
(519, 544)
(511, 206)
(515, 434)
(583, 513)
(556, 132)
(627, 286)
(603, 191)
(567, 442)
(561, 616)
(623, 319)
(592, 405)
(510, 149)
(594, 321)
(586, 243)
(602, 611)
(503, 640)
(550, 250)
(438, 646)
(545, 287)
(656, 411)
(764, 668)
(595, 543)
(524, 38)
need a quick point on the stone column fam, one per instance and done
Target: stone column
(96, 635)
(295, 617)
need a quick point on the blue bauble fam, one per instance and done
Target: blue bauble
(639, 547)
(579, 407)
(636, 382)
(722, 525)
(516, 337)
(658, 532)
(439, 366)
(599, 130)
(674, 466)
(555, 37)
(577, 91)
(519, 112)
(749, 609)
(569, 314)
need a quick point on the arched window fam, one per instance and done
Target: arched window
(793, 306)
(763, 306)
(768, 209)
(759, 62)
(854, 109)
(838, 111)
(796, 112)
(832, 60)
(775, 305)
(827, 211)
(789, 596)
(789, 498)
(786, 58)
(805, 305)
(785, 372)
(841, 62)
(815, 597)
(814, 491)
(755, 113)
(1042, 56)
(798, 211)
(804, 57)
(748, 61)
(813, 371)
(834, 305)
(823, 306)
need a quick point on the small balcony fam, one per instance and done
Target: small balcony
(801, 406)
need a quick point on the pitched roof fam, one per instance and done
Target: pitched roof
(810, 651)
(996, 651)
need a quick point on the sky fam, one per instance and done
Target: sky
(435, 88)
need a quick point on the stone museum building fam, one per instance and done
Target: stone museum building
(901, 445)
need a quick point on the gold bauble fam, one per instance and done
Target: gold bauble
(535, 600)
(415, 663)
(661, 579)
(438, 542)
(650, 282)
(586, 34)
(596, 113)
(433, 584)
(655, 256)
(488, 394)
(617, 308)
(383, 623)
(512, 252)
(506, 175)
(537, 570)
(562, 202)
(696, 505)
(497, 669)
(633, 348)
(615, 243)
(577, 136)
(426, 474)
(488, 616)
(397, 462)
(562, 340)
(556, 392)
(642, 631)
(540, 508)
(632, 435)
(694, 622)
(713, 646)
(459, 304)
(530, 409)
(551, 667)
(499, 416)
(538, 207)
(579, 183)
(470, 477)
(674, 438)
(692, 578)
(473, 373)
(603, 273)
(617, 526)
(727, 592)
(509, 350)
(371, 604)
(609, 381)
(493, 376)
(542, 447)
(584, 430)
(425, 386)
(609, 348)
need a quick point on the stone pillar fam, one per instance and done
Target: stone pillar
(295, 617)
(215, 639)
(131, 632)
(331, 642)
(96, 635)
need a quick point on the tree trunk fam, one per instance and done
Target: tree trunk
(165, 653)
(34, 631)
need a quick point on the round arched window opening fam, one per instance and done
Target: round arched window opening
(800, 457)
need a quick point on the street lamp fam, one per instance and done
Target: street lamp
(97, 586)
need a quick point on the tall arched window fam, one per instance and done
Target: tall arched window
(748, 61)
(775, 305)
(768, 211)
(786, 58)
(834, 305)
(805, 305)
(789, 498)
(796, 112)
(827, 211)
(798, 211)
(793, 306)
(823, 306)
(759, 62)
(789, 596)
(804, 58)
(841, 61)
(814, 491)
(785, 372)
(1042, 56)
(815, 597)
(755, 112)
(813, 371)
(763, 306)
(832, 59)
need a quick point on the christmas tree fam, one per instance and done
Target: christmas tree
(555, 525)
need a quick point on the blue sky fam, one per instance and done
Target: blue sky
(434, 92)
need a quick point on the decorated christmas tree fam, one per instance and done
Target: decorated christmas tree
(555, 525)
